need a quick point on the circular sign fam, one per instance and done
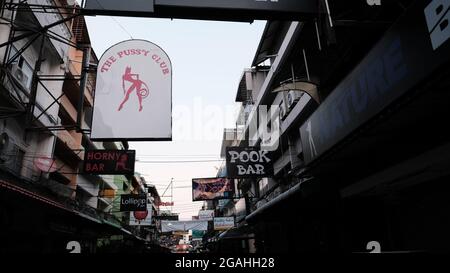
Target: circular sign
(45, 164)
(140, 215)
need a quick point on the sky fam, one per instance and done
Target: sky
(208, 59)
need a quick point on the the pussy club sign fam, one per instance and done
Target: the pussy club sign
(133, 98)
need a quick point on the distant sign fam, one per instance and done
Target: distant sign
(133, 202)
(168, 226)
(207, 215)
(133, 95)
(248, 162)
(165, 204)
(223, 223)
(212, 188)
(109, 161)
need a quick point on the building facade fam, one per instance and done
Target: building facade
(361, 156)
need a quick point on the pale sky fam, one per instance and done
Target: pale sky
(208, 59)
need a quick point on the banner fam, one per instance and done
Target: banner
(212, 188)
(141, 218)
(248, 162)
(133, 96)
(168, 226)
(223, 223)
(207, 215)
(109, 162)
(133, 202)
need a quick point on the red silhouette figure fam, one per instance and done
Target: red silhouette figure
(121, 164)
(142, 90)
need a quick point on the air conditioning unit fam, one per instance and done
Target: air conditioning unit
(6, 148)
(19, 75)
(292, 98)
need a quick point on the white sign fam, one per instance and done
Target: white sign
(141, 218)
(167, 226)
(207, 215)
(133, 96)
(223, 223)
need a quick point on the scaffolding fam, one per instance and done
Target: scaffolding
(42, 35)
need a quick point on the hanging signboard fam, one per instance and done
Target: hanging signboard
(133, 202)
(133, 96)
(212, 188)
(239, 10)
(207, 215)
(248, 162)
(142, 218)
(168, 226)
(109, 162)
(223, 223)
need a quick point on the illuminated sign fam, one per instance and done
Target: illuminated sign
(212, 188)
(109, 162)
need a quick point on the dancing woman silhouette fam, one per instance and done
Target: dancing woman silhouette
(142, 90)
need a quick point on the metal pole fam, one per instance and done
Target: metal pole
(34, 86)
(83, 81)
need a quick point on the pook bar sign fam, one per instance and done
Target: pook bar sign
(109, 162)
(248, 162)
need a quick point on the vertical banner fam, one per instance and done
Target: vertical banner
(133, 96)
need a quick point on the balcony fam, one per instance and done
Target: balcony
(69, 108)
(72, 143)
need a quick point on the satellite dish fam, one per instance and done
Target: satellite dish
(45, 164)
(304, 86)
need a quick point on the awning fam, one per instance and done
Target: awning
(88, 217)
(243, 232)
(277, 200)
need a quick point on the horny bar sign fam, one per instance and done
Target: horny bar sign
(248, 162)
(109, 161)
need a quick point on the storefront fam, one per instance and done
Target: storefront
(380, 141)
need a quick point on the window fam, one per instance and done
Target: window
(21, 69)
